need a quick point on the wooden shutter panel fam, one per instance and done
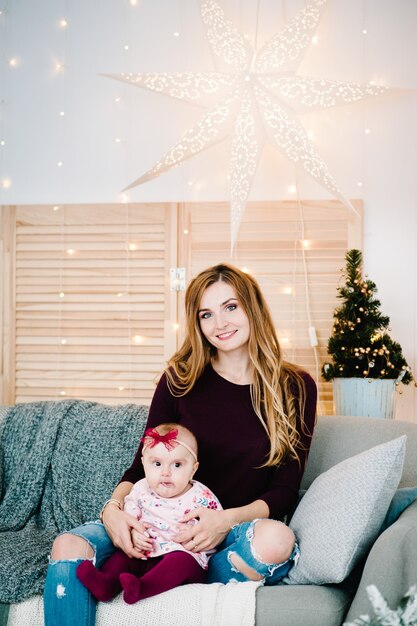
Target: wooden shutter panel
(92, 301)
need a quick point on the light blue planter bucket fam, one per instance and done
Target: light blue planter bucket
(366, 397)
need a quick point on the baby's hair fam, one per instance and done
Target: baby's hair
(184, 433)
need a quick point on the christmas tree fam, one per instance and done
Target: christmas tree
(360, 345)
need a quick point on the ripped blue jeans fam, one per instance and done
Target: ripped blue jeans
(66, 601)
(239, 541)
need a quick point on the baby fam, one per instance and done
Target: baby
(160, 500)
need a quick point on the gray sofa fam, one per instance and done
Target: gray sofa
(391, 564)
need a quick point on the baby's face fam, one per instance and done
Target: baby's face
(168, 472)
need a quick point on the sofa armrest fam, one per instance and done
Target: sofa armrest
(391, 564)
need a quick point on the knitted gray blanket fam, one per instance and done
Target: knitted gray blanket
(60, 462)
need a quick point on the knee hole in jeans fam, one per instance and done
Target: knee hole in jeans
(68, 546)
(273, 541)
(239, 564)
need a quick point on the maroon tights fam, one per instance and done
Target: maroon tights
(139, 579)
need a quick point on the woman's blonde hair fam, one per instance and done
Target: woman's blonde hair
(277, 390)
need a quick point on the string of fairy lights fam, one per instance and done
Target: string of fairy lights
(262, 92)
(61, 340)
(297, 90)
(123, 296)
(251, 82)
(6, 63)
(131, 339)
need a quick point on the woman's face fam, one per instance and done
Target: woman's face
(222, 319)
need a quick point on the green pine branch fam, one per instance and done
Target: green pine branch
(404, 615)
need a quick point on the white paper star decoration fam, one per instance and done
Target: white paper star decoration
(263, 97)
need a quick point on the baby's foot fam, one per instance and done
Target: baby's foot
(102, 588)
(131, 588)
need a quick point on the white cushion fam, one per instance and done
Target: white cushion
(232, 604)
(341, 513)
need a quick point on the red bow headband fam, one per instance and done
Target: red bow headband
(151, 439)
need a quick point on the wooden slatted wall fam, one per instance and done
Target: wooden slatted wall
(7, 304)
(273, 238)
(86, 309)
(93, 306)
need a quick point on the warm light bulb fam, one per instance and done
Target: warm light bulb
(126, 47)
(367, 131)
(185, 231)
(175, 327)
(315, 40)
(120, 294)
(60, 163)
(117, 140)
(138, 339)
(14, 62)
(287, 290)
(2, 142)
(6, 183)
(63, 341)
(56, 208)
(62, 113)
(62, 294)
(120, 388)
(63, 393)
(360, 183)
(70, 251)
(132, 246)
(305, 243)
(63, 23)
(245, 270)
(292, 189)
(364, 32)
(176, 34)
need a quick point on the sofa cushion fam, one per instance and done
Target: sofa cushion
(342, 512)
(402, 499)
(188, 605)
(296, 605)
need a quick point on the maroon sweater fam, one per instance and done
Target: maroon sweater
(232, 442)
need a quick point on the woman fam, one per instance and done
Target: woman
(253, 415)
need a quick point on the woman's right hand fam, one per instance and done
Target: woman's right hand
(119, 526)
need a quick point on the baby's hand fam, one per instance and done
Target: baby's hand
(142, 541)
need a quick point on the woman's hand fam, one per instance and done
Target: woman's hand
(211, 528)
(120, 527)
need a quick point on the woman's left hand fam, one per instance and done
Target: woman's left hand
(211, 528)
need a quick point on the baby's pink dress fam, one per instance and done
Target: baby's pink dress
(165, 513)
